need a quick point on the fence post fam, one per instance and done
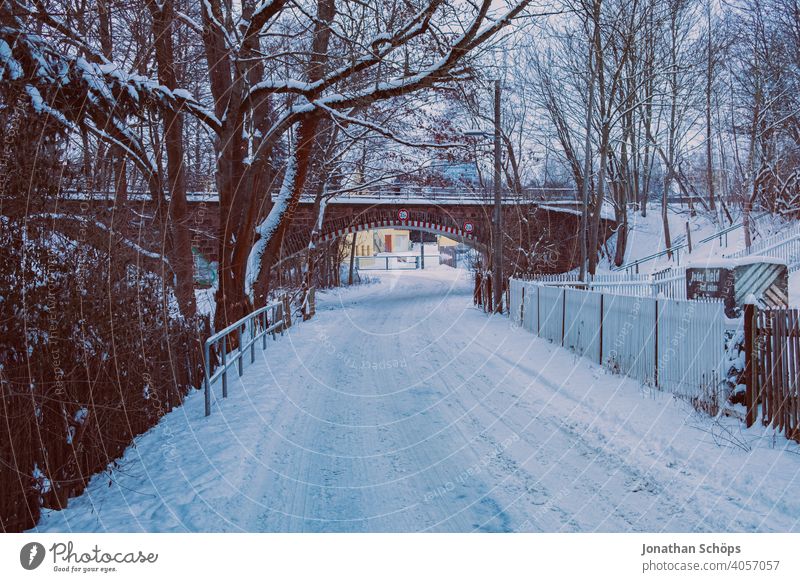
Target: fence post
(601, 328)
(252, 340)
(563, 314)
(750, 362)
(207, 367)
(287, 312)
(264, 325)
(688, 236)
(655, 360)
(241, 354)
(224, 368)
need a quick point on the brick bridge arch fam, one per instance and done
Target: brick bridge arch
(556, 227)
(453, 225)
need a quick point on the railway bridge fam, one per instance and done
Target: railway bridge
(549, 218)
(540, 223)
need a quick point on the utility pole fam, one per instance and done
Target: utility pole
(497, 262)
(587, 172)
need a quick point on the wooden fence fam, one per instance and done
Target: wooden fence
(772, 370)
(673, 344)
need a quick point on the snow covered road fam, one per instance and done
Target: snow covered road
(400, 407)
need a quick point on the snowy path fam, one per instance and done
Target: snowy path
(402, 408)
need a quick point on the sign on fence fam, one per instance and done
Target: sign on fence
(734, 282)
(710, 283)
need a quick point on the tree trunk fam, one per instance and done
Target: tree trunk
(352, 258)
(709, 88)
(180, 246)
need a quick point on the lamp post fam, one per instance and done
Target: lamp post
(497, 219)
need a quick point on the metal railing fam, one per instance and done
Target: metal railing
(389, 193)
(676, 248)
(784, 245)
(270, 319)
(383, 263)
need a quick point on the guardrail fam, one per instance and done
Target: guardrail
(669, 283)
(271, 318)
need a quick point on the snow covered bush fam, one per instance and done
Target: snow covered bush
(93, 350)
(734, 366)
(92, 355)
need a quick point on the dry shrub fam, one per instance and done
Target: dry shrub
(93, 353)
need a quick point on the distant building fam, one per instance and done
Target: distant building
(459, 173)
(391, 240)
(365, 246)
(446, 242)
(385, 240)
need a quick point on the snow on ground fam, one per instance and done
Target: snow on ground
(400, 407)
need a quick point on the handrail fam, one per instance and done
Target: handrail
(682, 245)
(385, 258)
(268, 319)
(768, 244)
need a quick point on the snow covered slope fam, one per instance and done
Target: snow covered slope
(400, 407)
(646, 237)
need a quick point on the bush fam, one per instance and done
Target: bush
(93, 354)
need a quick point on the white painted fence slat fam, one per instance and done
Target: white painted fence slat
(516, 290)
(629, 336)
(682, 350)
(531, 321)
(551, 311)
(582, 323)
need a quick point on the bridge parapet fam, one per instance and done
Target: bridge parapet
(391, 194)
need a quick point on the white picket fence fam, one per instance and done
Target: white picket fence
(669, 283)
(673, 344)
(784, 245)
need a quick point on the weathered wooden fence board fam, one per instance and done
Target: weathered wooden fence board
(777, 373)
